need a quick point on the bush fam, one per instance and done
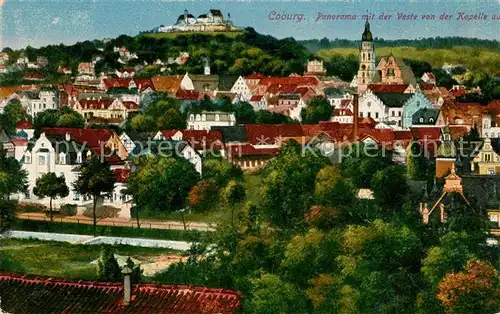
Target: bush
(68, 210)
(31, 208)
(102, 212)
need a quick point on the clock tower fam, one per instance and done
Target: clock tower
(367, 69)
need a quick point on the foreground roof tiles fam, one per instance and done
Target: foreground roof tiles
(24, 294)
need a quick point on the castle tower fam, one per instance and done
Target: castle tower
(367, 68)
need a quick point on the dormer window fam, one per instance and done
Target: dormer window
(191, 117)
(203, 117)
(62, 158)
(431, 120)
(421, 120)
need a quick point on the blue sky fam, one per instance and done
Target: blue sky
(42, 22)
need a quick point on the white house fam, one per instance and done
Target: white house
(429, 78)
(241, 88)
(258, 102)
(47, 99)
(336, 96)
(343, 115)
(488, 130)
(208, 119)
(383, 107)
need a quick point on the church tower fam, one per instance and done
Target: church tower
(367, 69)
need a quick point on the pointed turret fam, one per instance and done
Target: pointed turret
(367, 34)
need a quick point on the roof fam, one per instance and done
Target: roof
(23, 124)
(34, 76)
(268, 134)
(95, 103)
(406, 73)
(331, 91)
(235, 133)
(23, 294)
(426, 114)
(198, 139)
(166, 84)
(290, 80)
(256, 97)
(247, 150)
(342, 112)
(94, 138)
(388, 88)
(281, 89)
(187, 94)
(216, 12)
(7, 91)
(290, 96)
(254, 76)
(202, 82)
(427, 86)
(393, 99)
(226, 82)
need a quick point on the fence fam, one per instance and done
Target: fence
(113, 223)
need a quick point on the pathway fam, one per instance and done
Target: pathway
(90, 240)
(123, 222)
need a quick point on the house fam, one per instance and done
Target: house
(336, 95)
(86, 68)
(203, 142)
(392, 88)
(206, 120)
(315, 67)
(3, 69)
(64, 70)
(172, 84)
(42, 62)
(490, 122)
(394, 71)
(383, 107)
(289, 100)
(258, 102)
(47, 98)
(226, 82)
(129, 140)
(125, 73)
(34, 77)
(273, 135)
(168, 148)
(204, 83)
(242, 89)
(343, 115)
(462, 114)
(113, 111)
(22, 60)
(24, 293)
(247, 156)
(487, 160)
(6, 142)
(424, 117)
(429, 78)
(416, 102)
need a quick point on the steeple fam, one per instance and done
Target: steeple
(367, 34)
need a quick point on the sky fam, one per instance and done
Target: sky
(43, 22)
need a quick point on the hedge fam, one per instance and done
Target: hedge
(130, 232)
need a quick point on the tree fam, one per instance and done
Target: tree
(95, 180)
(269, 294)
(289, 184)
(473, 134)
(390, 187)
(52, 186)
(234, 193)
(13, 178)
(12, 113)
(318, 109)
(161, 183)
(244, 113)
(7, 214)
(476, 290)
(70, 120)
(203, 194)
(415, 162)
(107, 266)
(333, 190)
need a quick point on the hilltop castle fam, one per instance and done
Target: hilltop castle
(213, 21)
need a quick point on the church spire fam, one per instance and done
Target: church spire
(367, 34)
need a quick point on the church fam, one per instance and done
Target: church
(390, 70)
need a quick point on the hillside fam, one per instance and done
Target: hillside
(176, 34)
(474, 59)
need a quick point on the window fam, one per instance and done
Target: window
(369, 114)
(27, 193)
(393, 113)
(491, 171)
(487, 157)
(361, 115)
(376, 115)
(418, 103)
(485, 134)
(76, 196)
(79, 158)
(369, 104)
(421, 120)
(431, 120)
(41, 160)
(390, 72)
(27, 159)
(399, 114)
(62, 159)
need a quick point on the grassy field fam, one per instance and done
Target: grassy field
(175, 34)
(63, 259)
(473, 59)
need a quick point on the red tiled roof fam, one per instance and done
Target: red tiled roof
(144, 83)
(430, 133)
(281, 89)
(388, 88)
(26, 125)
(290, 80)
(23, 294)
(256, 97)
(368, 120)
(34, 76)
(94, 138)
(427, 86)
(403, 135)
(130, 105)
(268, 134)
(345, 102)
(117, 82)
(121, 174)
(95, 104)
(494, 106)
(198, 139)
(187, 94)
(19, 141)
(244, 150)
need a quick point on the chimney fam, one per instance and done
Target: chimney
(355, 122)
(127, 286)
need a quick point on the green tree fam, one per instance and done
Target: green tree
(415, 162)
(234, 193)
(289, 184)
(70, 120)
(173, 119)
(12, 113)
(95, 180)
(390, 187)
(51, 186)
(7, 215)
(270, 294)
(244, 113)
(13, 178)
(318, 109)
(107, 266)
(332, 189)
(161, 183)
